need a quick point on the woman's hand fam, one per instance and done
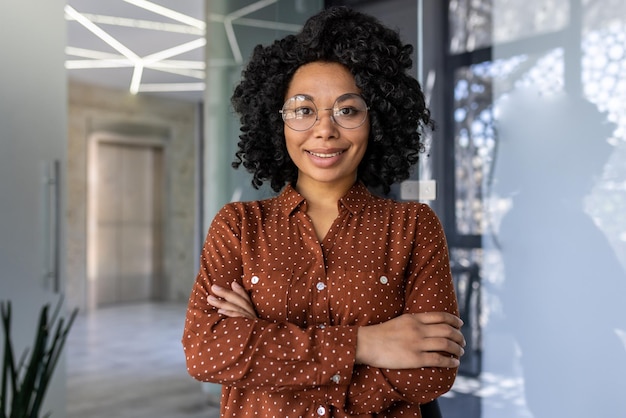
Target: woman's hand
(411, 341)
(232, 303)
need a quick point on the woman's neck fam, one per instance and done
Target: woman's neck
(322, 194)
(321, 199)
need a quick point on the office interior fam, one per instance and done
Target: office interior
(106, 194)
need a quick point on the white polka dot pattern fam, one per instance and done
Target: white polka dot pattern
(379, 259)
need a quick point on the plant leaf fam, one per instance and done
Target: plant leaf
(29, 380)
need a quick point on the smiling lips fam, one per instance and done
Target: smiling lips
(325, 155)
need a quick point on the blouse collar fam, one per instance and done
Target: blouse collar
(354, 200)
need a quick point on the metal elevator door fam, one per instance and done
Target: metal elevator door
(128, 233)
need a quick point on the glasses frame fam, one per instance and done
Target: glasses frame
(317, 114)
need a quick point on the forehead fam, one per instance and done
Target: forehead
(322, 80)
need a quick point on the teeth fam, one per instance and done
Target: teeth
(320, 155)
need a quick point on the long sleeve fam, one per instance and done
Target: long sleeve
(256, 353)
(429, 288)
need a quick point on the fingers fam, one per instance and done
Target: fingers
(442, 325)
(440, 318)
(443, 345)
(239, 289)
(438, 334)
(232, 303)
(445, 332)
(440, 360)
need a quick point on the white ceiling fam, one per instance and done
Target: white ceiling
(140, 46)
(157, 46)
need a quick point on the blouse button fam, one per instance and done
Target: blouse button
(322, 326)
(255, 279)
(320, 286)
(384, 279)
(321, 411)
(336, 378)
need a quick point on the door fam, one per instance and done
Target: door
(127, 207)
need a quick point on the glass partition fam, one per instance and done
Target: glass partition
(234, 28)
(538, 205)
(556, 206)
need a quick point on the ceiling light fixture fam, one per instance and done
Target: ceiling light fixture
(100, 33)
(177, 50)
(144, 24)
(136, 80)
(159, 61)
(156, 61)
(169, 13)
(169, 87)
(90, 53)
(92, 64)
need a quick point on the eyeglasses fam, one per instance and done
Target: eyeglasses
(300, 113)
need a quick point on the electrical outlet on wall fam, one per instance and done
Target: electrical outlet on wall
(418, 190)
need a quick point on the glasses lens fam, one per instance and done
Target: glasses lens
(350, 111)
(299, 113)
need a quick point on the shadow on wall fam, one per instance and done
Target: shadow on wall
(564, 288)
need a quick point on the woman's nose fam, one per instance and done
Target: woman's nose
(325, 122)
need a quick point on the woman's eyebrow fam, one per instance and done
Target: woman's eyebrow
(309, 97)
(303, 96)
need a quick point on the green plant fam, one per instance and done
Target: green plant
(24, 382)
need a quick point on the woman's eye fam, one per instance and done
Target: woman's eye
(346, 111)
(303, 112)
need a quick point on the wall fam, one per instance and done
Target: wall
(94, 109)
(32, 134)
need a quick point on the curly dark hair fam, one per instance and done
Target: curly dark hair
(377, 59)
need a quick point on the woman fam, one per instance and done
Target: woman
(326, 300)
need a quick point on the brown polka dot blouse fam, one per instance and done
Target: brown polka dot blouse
(379, 259)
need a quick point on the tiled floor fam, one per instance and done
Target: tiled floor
(127, 362)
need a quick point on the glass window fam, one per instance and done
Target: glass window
(521, 19)
(470, 25)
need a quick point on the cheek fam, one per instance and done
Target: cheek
(363, 144)
(292, 143)
(365, 136)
